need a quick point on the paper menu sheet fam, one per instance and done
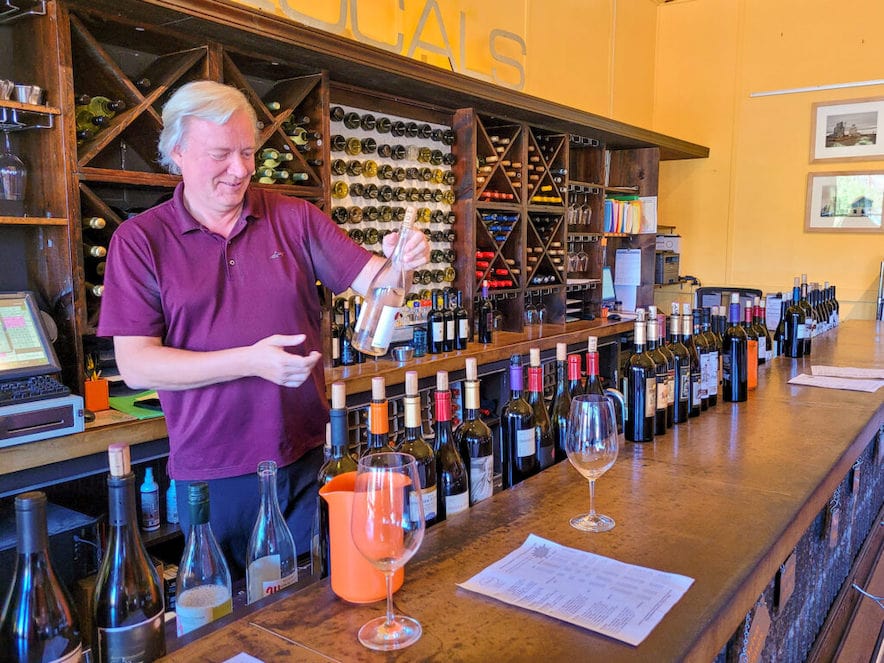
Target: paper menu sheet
(848, 372)
(619, 600)
(848, 384)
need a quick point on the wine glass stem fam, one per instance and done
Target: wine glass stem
(388, 579)
(592, 498)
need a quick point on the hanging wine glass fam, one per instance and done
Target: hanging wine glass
(13, 178)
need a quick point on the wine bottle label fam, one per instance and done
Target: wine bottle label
(201, 605)
(449, 329)
(713, 373)
(684, 373)
(427, 497)
(670, 388)
(150, 510)
(650, 396)
(481, 478)
(438, 332)
(457, 503)
(135, 643)
(705, 374)
(802, 332)
(526, 444)
(695, 395)
(336, 348)
(463, 328)
(661, 394)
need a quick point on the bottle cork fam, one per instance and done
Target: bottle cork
(561, 351)
(119, 459)
(535, 357)
(472, 368)
(592, 344)
(378, 389)
(442, 381)
(339, 396)
(411, 383)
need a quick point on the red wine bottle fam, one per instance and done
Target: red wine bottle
(453, 484)
(641, 387)
(518, 430)
(714, 358)
(734, 360)
(704, 353)
(413, 443)
(485, 317)
(127, 607)
(474, 439)
(461, 324)
(38, 622)
(543, 439)
(435, 326)
(663, 349)
(593, 381)
(575, 386)
(560, 407)
(794, 329)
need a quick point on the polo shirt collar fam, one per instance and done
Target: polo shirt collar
(253, 209)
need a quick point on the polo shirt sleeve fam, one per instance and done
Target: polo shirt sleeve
(131, 303)
(337, 259)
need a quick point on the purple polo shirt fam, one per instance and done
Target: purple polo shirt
(169, 277)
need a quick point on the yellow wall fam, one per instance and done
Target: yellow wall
(741, 212)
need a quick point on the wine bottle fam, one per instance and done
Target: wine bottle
(348, 352)
(593, 381)
(735, 360)
(461, 324)
(474, 439)
(703, 351)
(575, 384)
(448, 321)
(94, 223)
(272, 559)
(543, 439)
(560, 407)
(641, 387)
(94, 251)
(696, 378)
(378, 418)
(204, 593)
(518, 429)
(794, 328)
(714, 348)
(485, 317)
(682, 358)
(765, 343)
(413, 443)
(127, 606)
(435, 326)
(335, 339)
(663, 349)
(339, 462)
(751, 349)
(452, 482)
(103, 107)
(38, 623)
(808, 316)
(660, 371)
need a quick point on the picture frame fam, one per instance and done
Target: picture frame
(847, 130)
(851, 201)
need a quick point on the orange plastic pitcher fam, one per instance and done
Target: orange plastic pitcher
(353, 578)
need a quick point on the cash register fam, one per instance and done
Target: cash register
(34, 405)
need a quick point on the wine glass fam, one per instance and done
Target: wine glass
(13, 178)
(592, 445)
(388, 527)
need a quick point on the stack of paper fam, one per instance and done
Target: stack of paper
(842, 377)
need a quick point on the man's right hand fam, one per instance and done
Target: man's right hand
(273, 363)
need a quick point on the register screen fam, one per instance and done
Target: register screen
(24, 349)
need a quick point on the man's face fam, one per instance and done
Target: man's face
(216, 162)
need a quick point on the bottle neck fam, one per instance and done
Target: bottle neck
(379, 423)
(639, 337)
(734, 315)
(535, 379)
(686, 331)
(471, 399)
(516, 381)
(199, 514)
(267, 478)
(574, 369)
(30, 525)
(442, 400)
(340, 443)
(412, 416)
(592, 364)
(121, 501)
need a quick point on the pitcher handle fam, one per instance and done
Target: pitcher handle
(617, 395)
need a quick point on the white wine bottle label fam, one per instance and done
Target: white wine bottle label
(661, 395)
(384, 331)
(670, 388)
(684, 373)
(526, 444)
(427, 497)
(650, 396)
(136, 643)
(481, 478)
(449, 329)
(464, 328)
(438, 332)
(457, 503)
(264, 577)
(713, 373)
(201, 605)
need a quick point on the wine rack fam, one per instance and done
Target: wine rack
(381, 163)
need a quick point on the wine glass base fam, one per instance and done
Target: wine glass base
(592, 523)
(377, 634)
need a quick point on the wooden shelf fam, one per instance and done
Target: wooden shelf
(30, 108)
(32, 221)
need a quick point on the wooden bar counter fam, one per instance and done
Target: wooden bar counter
(723, 499)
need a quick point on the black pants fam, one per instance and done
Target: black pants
(234, 504)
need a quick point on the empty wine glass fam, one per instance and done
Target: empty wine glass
(13, 179)
(387, 533)
(592, 445)
(530, 310)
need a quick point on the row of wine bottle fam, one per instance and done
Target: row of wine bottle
(384, 125)
(39, 623)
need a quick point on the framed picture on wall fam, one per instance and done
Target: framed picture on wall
(848, 130)
(845, 202)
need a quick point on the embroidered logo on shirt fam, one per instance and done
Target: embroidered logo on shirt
(276, 255)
